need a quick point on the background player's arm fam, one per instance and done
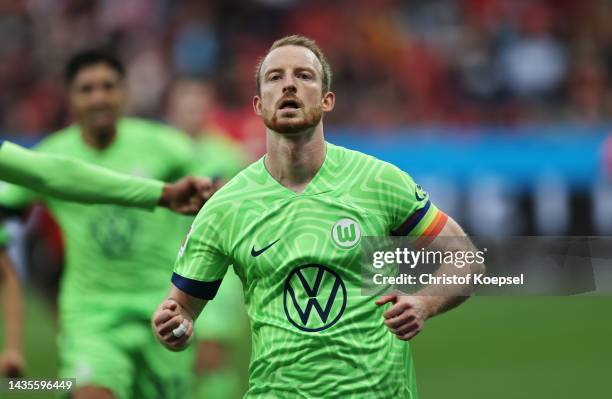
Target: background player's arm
(11, 358)
(14, 201)
(179, 308)
(74, 180)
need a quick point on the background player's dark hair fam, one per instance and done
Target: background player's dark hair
(300, 41)
(90, 57)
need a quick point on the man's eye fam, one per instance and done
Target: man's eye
(305, 76)
(108, 86)
(274, 77)
(85, 89)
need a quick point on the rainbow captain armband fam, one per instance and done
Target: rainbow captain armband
(424, 224)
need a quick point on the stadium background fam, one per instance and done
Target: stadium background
(500, 108)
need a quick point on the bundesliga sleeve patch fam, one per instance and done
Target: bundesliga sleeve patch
(184, 243)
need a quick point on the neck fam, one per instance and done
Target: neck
(293, 160)
(99, 140)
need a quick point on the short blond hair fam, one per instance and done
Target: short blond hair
(300, 41)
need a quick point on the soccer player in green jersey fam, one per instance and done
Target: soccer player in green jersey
(291, 225)
(190, 108)
(116, 258)
(73, 180)
(223, 329)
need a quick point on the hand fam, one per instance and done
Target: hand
(186, 195)
(166, 319)
(12, 364)
(406, 318)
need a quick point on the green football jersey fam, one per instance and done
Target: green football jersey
(116, 259)
(298, 255)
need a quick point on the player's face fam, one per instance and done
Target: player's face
(291, 98)
(97, 97)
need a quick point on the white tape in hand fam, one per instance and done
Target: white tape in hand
(179, 331)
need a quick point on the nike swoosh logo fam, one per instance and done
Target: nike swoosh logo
(255, 253)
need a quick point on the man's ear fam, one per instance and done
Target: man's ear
(328, 101)
(257, 105)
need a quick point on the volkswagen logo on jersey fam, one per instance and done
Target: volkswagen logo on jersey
(114, 229)
(314, 297)
(346, 233)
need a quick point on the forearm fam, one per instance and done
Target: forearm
(11, 303)
(173, 320)
(440, 298)
(190, 306)
(74, 180)
(436, 304)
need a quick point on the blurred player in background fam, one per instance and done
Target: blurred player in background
(191, 104)
(290, 224)
(56, 176)
(116, 258)
(223, 330)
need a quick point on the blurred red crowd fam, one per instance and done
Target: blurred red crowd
(396, 63)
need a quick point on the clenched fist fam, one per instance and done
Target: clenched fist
(12, 364)
(187, 195)
(172, 326)
(406, 317)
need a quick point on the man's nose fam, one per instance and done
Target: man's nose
(99, 95)
(289, 86)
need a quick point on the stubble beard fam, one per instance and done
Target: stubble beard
(292, 126)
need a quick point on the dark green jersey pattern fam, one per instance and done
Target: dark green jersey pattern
(117, 259)
(314, 334)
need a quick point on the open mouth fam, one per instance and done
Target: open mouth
(289, 104)
(101, 111)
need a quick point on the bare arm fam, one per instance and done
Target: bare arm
(179, 308)
(11, 359)
(440, 299)
(407, 316)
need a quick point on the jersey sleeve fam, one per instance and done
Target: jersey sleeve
(58, 176)
(408, 208)
(202, 260)
(14, 200)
